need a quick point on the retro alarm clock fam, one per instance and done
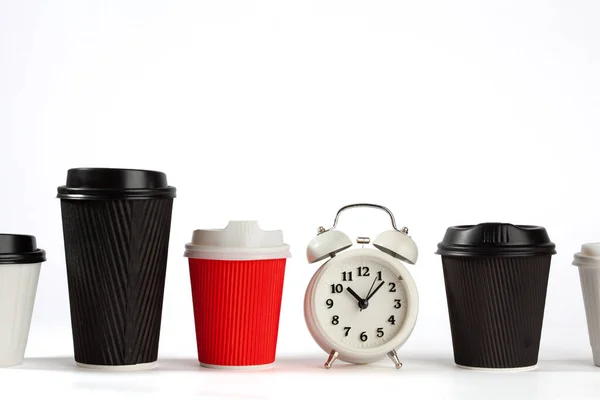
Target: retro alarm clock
(362, 303)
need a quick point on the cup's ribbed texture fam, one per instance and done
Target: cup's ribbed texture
(18, 285)
(116, 253)
(496, 307)
(590, 286)
(236, 310)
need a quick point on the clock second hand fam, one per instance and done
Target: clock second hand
(372, 284)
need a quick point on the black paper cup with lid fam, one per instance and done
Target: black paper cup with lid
(20, 264)
(496, 277)
(116, 226)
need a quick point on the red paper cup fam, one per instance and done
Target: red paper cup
(237, 278)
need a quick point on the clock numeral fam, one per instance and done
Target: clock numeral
(379, 276)
(379, 332)
(392, 320)
(335, 320)
(363, 271)
(347, 331)
(347, 276)
(398, 303)
(363, 337)
(337, 288)
(392, 286)
(329, 303)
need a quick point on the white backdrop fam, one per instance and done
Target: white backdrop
(284, 111)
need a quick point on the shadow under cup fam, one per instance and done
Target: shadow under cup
(496, 278)
(116, 226)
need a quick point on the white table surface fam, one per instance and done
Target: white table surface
(302, 376)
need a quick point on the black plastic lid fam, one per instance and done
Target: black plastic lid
(112, 183)
(20, 249)
(496, 239)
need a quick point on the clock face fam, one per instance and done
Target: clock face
(360, 302)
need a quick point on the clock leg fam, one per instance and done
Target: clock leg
(393, 355)
(332, 357)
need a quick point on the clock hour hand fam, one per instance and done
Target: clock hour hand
(374, 291)
(354, 294)
(362, 304)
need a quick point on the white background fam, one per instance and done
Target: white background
(285, 110)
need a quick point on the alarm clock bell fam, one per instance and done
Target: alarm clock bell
(327, 244)
(398, 245)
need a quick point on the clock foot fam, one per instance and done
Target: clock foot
(393, 355)
(332, 357)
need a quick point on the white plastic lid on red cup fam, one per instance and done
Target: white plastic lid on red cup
(239, 240)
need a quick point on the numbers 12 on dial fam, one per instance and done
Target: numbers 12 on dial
(361, 304)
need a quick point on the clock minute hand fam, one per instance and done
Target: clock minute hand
(374, 291)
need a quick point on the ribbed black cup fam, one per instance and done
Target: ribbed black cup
(116, 246)
(496, 308)
(496, 277)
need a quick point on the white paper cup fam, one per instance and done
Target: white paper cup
(20, 262)
(18, 285)
(588, 261)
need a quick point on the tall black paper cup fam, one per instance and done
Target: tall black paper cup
(116, 225)
(496, 277)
